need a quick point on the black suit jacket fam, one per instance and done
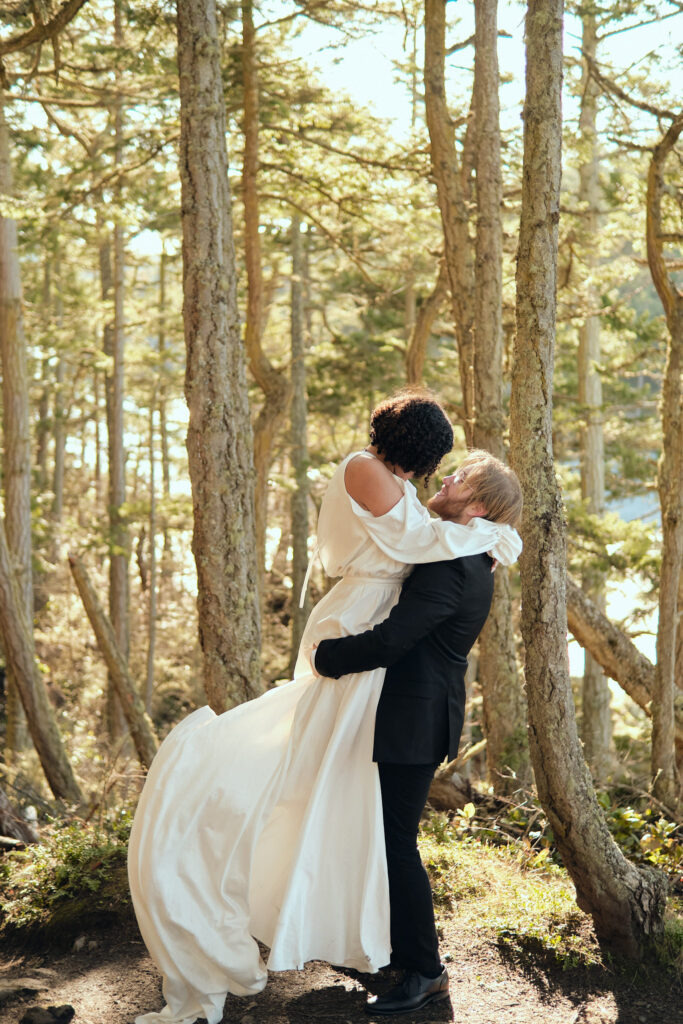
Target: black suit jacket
(424, 643)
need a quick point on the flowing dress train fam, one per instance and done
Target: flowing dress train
(265, 822)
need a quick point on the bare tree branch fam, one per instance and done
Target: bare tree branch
(611, 87)
(641, 24)
(42, 31)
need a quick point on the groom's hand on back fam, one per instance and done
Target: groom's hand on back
(312, 662)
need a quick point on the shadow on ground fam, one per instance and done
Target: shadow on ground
(615, 991)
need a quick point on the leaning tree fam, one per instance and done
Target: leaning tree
(626, 903)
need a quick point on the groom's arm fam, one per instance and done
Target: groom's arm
(431, 594)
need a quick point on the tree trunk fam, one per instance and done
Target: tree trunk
(488, 280)
(275, 385)
(43, 422)
(596, 718)
(627, 904)
(421, 328)
(119, 540)
(678, 670)
(59, 434)
(665, 780)
(152, 610)
(163, 427)
(299, 449)
(98, 431)
(507, 750)
(141, 728)
(17, 643)
(453, 190)
(219, 440)
(16, 432)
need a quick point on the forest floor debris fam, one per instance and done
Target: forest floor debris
(518, 948)
(115, 980)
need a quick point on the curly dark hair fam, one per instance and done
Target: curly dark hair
(412, 431)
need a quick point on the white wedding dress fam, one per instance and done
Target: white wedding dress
(266, 821)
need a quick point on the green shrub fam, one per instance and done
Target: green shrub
(75, 876)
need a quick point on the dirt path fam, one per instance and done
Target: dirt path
(110, 980)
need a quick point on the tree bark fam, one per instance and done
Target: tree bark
(504, 706)
(219, 440)
(152, 608)
(299, 446)
(489, 421)
(119, 540)
(16, 431)
(59, 435)
(43, 420)
(596, 718)
(665, 780)
(17, 643)
(678, 670)
(275, 385)
(141, 728)
(627, 904)
(421, 327)
(161, 406)
(453, 188)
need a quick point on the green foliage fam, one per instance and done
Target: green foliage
(521, 900)
(607, 543)
(669, 946)
(513, 886)
(78, 871)
(645, 836)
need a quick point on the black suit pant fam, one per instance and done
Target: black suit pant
(414, 942)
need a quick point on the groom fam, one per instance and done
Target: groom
(424, 643)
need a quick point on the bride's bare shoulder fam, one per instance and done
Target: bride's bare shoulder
(372, 485)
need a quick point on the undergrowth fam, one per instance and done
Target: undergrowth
(515, 888)
(75, 876)
(500, 877)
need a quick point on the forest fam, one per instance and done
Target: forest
(215, 261)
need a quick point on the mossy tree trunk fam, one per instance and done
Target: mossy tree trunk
(219, 439)
(626, 903)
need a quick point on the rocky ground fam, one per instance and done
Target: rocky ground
(108, 978)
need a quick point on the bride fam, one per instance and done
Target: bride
(265, 823)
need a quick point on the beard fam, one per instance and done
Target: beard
(448, 508)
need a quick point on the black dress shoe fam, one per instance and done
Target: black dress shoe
(414, 992)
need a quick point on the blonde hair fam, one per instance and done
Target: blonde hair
(493, 484)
